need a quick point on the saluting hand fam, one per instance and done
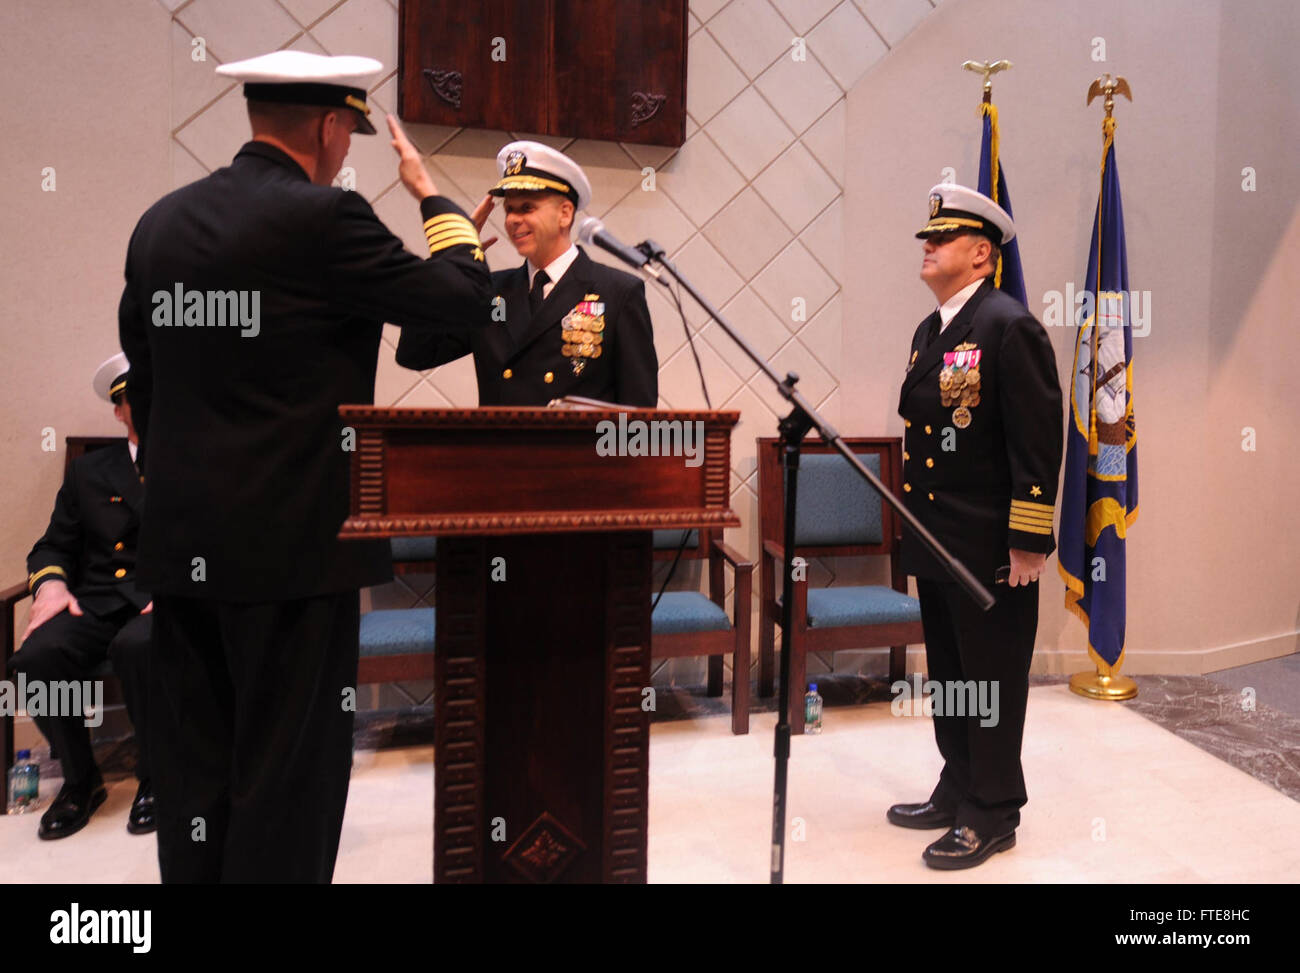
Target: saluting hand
(51, 598)
(410, 167)
(479, 218)
(1026, 566)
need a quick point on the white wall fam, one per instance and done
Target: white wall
(1212, 568)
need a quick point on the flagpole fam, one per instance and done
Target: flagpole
(1106, 683)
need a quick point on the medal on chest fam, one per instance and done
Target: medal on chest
(959, 382)
(583, 332)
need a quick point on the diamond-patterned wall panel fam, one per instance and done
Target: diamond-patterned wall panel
(797, 187)
(365, 27)
(753, 33)
(236, 29)
(751, 206)
(195, 84)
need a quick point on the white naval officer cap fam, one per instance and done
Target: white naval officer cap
(531, 167)
(110, 377)
(300, 78)
(959, 208)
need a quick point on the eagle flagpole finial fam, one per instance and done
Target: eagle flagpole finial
(988, 69)
(1110, 87)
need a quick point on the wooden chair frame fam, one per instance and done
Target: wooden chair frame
(771, 498)
(715, 645)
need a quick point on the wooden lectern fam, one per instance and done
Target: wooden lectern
(543, 626)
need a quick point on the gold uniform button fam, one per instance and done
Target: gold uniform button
(929, 462)
(906, 455)
(117, 546)
(907, 423)
(120, 573)
(548, 378)
(907, 488)
(931, 496)
(927, 430)
(508, 374)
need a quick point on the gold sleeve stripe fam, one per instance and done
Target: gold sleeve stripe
(459, 226)
(1029, 528)
(433, 238)
(435, 221)
(52, 569)
(1028, 506)
(1035, 518)
(460, 236)
(438, 235)
(459, 241)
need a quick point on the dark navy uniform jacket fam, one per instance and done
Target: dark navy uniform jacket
(243, 447)
(91, 541)
(992, 485)
(520, 360)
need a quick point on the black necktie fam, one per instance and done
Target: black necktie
(535, 296)
(932, 334)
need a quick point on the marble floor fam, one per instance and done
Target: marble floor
(1114, 797)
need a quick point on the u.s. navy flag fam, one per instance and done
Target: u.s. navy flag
(1100, 492)
(1010, 276)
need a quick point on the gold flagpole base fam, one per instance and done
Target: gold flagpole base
(1096, 686)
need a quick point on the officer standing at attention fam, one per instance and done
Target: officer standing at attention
(85, 606)
(564, 324)
(981, 403)
(281, 286)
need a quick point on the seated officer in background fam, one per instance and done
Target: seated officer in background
(563, 324)
(86, 606)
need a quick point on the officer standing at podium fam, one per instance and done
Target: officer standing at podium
(564, 324)
(981, 402)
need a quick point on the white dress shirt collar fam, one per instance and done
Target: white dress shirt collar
(554, 270)
(950, 308)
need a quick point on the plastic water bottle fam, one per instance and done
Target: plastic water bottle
(812, 710)
(24, 784)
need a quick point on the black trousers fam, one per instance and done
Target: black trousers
(252, 741)
(70, 647)
(982, 780)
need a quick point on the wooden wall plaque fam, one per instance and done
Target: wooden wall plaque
(599, 69)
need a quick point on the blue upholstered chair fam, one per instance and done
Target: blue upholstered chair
(838, 515)
(688, 623)
(397, 643)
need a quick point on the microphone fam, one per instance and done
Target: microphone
(591, 231)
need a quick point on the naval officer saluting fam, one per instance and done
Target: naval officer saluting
(981, 402)
(571, 326)
(255, 598)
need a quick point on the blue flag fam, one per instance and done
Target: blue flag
(1010, 276)
(1100, 492)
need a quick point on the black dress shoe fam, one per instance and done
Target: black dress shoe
(143, 818)
(71, 810)
(964, 848)
(921, 816)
